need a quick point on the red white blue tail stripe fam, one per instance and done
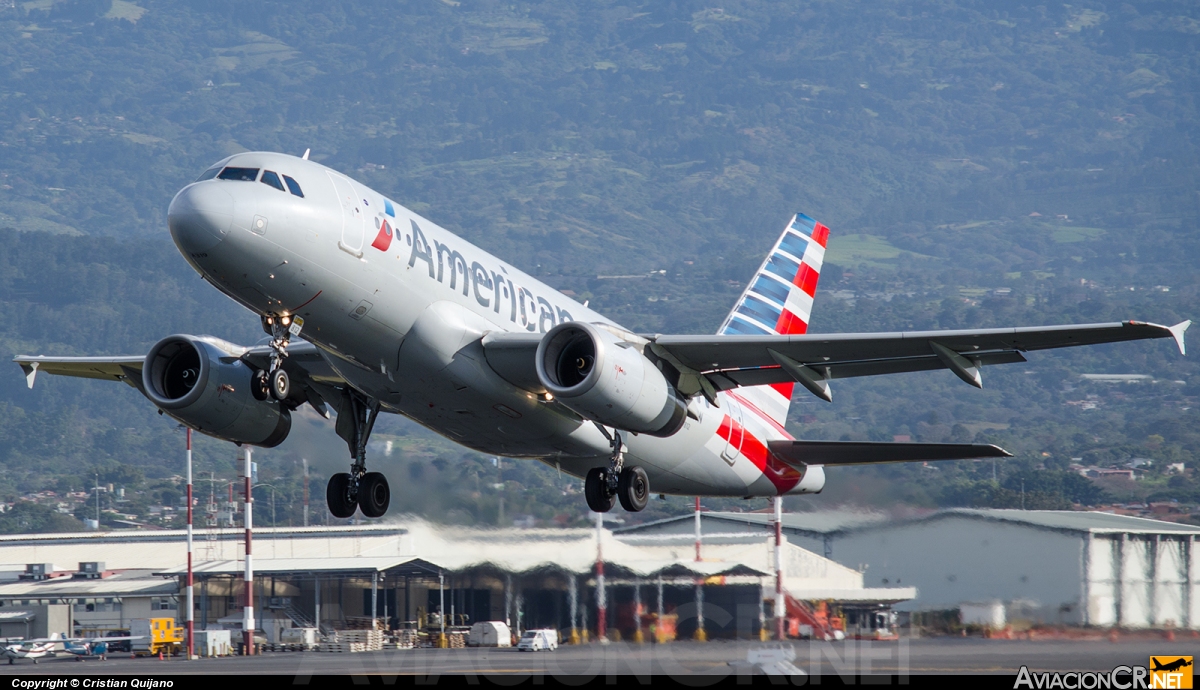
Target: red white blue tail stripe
(779, 301)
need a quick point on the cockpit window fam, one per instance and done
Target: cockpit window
(272, 179)
(293, 186)
(209, 174)
(240, 174)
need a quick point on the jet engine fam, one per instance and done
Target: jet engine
(201, 381)
(609, 380)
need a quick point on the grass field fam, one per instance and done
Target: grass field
(855, 250)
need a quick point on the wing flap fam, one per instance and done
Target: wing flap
(801, 453)
(726, 380)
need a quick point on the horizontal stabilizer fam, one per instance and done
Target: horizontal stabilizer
(855, 453)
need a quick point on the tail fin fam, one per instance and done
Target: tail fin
(779, 300)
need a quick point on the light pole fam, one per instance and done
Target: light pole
(272, 488)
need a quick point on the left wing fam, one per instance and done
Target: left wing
(803, 453)
(710, 363)
(812, 360)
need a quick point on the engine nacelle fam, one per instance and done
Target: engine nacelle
(608, 380)
(200, 381)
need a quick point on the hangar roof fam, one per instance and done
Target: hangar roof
(842, 522)
(1072, 520)
(824, 522)
(129, 583)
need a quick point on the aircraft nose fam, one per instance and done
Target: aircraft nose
(199, 217)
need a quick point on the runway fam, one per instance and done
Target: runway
(847, 658)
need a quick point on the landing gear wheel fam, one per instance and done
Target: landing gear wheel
(633, 488)
(595, 490)
(260, 386)
(281, 385)
(337, 495)
(374, 494)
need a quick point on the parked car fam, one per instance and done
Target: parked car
(538, 641)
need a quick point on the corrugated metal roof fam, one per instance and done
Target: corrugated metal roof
(840, 522)
(24, 616)
(269, 566)
(824, 522)
(140, 582)
(1071, 520)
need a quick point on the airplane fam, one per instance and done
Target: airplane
(30, 649)
(370, 308)
(94, 647)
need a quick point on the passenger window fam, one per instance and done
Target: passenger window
(293, 186)
(209, 174)
(240, 174)
(272, 179)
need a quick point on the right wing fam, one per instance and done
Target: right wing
(309, 371)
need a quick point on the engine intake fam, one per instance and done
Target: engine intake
(200, 381)
(608, 380)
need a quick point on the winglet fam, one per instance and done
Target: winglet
(30, 369)
(1177, 332)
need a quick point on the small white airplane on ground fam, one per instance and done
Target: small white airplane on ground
(399, 315)
(30, 649)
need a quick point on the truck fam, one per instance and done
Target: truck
(157, 636)
(490, 634)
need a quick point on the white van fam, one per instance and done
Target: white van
(544, 640)
(489, 634)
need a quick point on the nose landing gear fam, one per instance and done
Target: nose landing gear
(274, 382)
(359, 488)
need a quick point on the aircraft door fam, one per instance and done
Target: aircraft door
(733, 445)
(353, 215)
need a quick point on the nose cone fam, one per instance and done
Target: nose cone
(200, 216)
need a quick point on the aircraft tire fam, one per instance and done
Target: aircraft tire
(595, 491)
(374, 495)
(337, 496)
(633, 488)
(260, 387)
(281, 385)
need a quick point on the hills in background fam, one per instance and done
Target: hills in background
(979, 166)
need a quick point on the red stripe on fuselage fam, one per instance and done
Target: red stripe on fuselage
(784, 477)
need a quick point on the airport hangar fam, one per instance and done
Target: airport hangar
(528, 577)
(1068, 567)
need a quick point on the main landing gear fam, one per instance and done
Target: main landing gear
(358, 488)
(274, 382)
(604, 486)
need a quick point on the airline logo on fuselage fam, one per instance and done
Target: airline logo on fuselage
(491, 289)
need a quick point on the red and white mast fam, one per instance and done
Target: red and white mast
(191, 606)
(248, 612)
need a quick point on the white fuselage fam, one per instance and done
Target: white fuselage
(399, 310)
